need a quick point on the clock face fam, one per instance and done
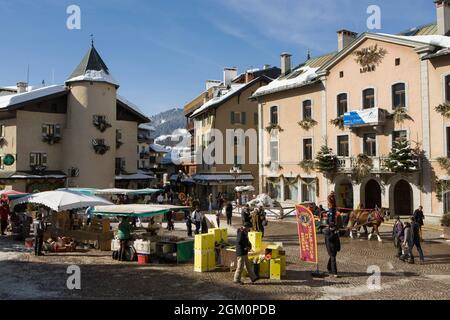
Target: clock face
(9, 160)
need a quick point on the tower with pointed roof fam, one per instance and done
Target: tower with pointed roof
(92, 111)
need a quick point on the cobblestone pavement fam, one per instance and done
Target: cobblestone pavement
(29, 277)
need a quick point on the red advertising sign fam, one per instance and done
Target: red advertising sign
(307, 235)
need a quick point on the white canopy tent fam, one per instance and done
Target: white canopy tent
(136, 210)
(62, 200)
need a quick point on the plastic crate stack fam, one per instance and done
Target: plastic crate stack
(204, 247)
(269, 258)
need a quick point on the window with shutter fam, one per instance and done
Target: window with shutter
(244, 117)
(2, 131)
(44, 159)
(57, 130)
(44, 130)
(232, 117)
(255, 118)
(32, 159)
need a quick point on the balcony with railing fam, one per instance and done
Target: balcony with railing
(379, 164)
(373, 117)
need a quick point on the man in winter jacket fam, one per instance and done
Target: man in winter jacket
(408, 243)
(415, 227)
(419, 216)
(333, 244)
(39, 229)
(398, 235)
(242, 249)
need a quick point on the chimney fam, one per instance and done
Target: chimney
(267, 66)
(443, 16)
(228, 75)
(249, 76)
(22, 87)
(286, 63)
(345, 37)
(212, 83)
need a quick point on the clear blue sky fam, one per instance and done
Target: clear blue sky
(162, 51)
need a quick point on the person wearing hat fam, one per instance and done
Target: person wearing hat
(242, 249)
(333, 244)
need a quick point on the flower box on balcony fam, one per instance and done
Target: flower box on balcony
(51, 139)
(101, 124)
(38, 169)
(100, 147)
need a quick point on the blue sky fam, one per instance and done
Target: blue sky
(162, 51)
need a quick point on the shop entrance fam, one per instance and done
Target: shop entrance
(344, 195)
(372, 194)
(403, 198)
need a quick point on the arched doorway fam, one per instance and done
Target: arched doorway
(403, 198)
(372, 194)
(344, 194)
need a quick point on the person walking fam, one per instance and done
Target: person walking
(331, 208)
(39, 229)
(124, 235)
(188, 220)
(229, 212)
(160, 199)
(415, 227)
(204, 224)
(197, 219)
(210, 203)
(399, 235)
(408, 243)
(4, 214)
(420, 217)
(243, 247)
(333, 244)
(170, 220)
(245, 215)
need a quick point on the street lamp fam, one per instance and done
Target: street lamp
(235, 172)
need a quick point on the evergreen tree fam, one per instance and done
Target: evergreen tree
(402, 158)
(326, 160)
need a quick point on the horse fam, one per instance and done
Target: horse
(366, 218)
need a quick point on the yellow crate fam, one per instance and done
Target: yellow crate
(275, 269)
(201, 261)
(224, 235)
(217, 234)
(264, 268)
(212, 260)
(256, 240)
(275, 250)
(204, 242)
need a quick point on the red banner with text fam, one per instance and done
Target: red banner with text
(307, 235)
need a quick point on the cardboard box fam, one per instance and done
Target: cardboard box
(256, 240)
(275, 269)
(274, 250)
(204, 242)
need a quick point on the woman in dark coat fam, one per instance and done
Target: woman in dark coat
(333, 244)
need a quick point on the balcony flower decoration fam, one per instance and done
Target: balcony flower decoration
(362, 167)
(100, 148)
(443, 109)
(307, 124)
(118, 144)
(402, 158)
(51, 139)
(307, 165)
(326, 160)
(338, 122)
(101, 124)
(400, 115)
(444, 163)
(370, 57)
(270, 164)
(272, 126)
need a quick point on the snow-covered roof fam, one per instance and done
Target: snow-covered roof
(131, 105)
(137, 176)
(14, 99)
(297, 78)
(175, 136)
(158, 148)
(95, 76)
(224, 94)
(435, 40)
(145, 126)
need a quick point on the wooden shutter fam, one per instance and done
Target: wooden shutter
(44, 130)
(32, 159)
(44, 159)
(232, 117)
(244, 117)
(57, 130)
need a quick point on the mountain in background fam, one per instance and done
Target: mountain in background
(165, 123)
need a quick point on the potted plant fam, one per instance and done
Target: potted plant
(51, 139)
(307, 165)
(446, 224)
(101, 124)
(338, 122)
(308, 124)
(272, 126)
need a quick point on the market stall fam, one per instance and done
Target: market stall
(150, 240)
(65, 226)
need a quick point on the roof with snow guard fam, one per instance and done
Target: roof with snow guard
(17, 100)
(226, 94)
(92, 68)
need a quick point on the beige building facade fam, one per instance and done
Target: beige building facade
(350, 105)
(72, 135)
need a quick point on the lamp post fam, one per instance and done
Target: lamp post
(235, 172)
